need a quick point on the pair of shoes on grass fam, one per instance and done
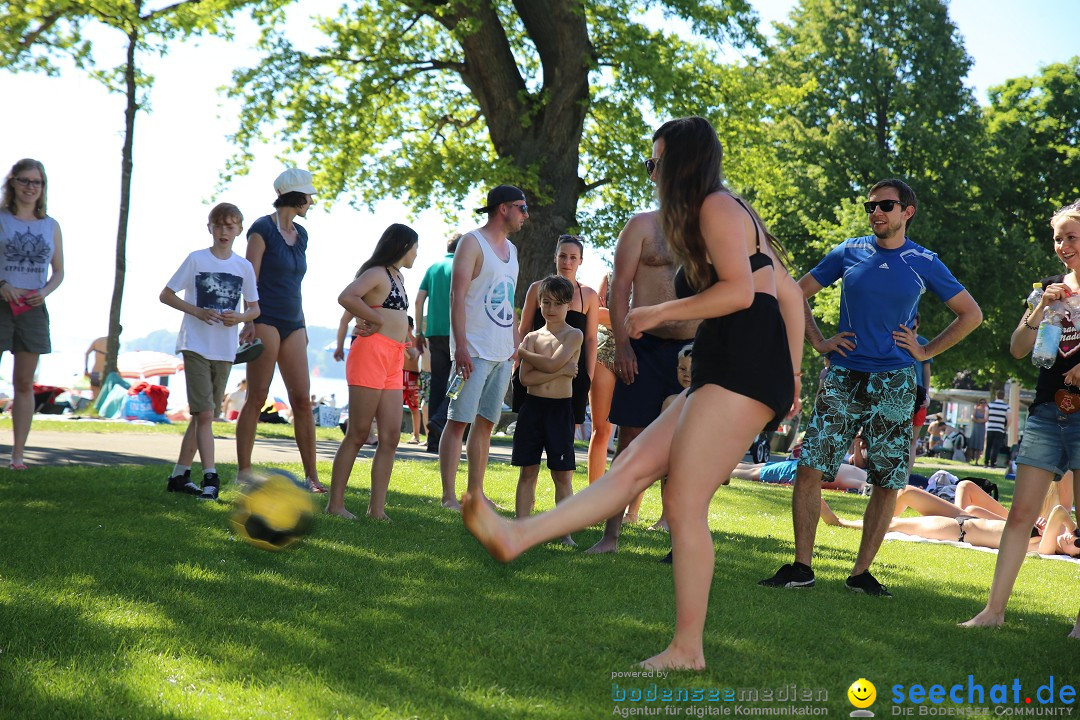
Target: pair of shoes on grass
(797, 575)
(184, 484)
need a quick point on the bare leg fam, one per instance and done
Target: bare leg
(188, 445)
(525, 497)
(564, 488)
(805, 510)
(204, 438)
(748, 471)
(476, 451)
(662, 522)
(23, 404)
(1031, 486)
(924, 503)
(969, 495)
(362, 406)
(449, 459)
(634, 469)
(388, 415)
(414, 413)
(633, 510)
(260, 372)
(609, 543)
(700, 460)
(875, 524)
(603, 385)
(293, 365)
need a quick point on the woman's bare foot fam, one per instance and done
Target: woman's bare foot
(606, 545)
(828, 516)
(415, 440)
(568, 541)
(315, 486)
(341, 512)
(660, 524)
(985, 619)
(381, 515)
(451, 504)
(1076, 632)
(493, 532)
(672, 659)
(629, 519)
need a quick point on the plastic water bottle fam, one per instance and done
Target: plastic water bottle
(1046, 342)
(458, 383)
(1035, 296)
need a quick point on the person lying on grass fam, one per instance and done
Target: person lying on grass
(848, 477)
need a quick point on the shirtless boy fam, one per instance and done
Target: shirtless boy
(549, 359)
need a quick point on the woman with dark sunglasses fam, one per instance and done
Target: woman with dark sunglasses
(1051, 444)
(34, 267)
(733, 280)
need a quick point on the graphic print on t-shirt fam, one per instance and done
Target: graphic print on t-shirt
(1070, 341)
(499, 302)
(26, 249)
(218, 290)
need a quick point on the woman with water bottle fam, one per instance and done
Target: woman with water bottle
(1051, 445)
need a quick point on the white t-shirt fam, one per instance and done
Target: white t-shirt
(209, 282)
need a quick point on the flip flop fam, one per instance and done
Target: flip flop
(17, 466)
(248, 351)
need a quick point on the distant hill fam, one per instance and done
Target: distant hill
(320, 361)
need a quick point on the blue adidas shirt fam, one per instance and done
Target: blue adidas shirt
(881, 291)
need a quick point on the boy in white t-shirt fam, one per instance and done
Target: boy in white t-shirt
(213, 281)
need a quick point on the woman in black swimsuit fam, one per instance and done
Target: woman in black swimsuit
(748, 300)
(583, 315)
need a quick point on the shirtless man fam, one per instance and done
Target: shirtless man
(549, 359)
(645, 369)
(98, 348)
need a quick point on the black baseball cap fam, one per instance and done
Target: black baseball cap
(499, 195)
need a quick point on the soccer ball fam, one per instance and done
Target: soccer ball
(274, 510)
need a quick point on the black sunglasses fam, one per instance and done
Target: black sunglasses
(650, 165)
(885, 205)
(523, 207)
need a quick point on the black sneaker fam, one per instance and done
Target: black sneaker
(183, 484)
(248, 352)
(790, 576)
(864, 582)
(210, 487)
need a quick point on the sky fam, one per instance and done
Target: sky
(74, 126)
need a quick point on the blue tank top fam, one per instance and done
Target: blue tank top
(281, 272)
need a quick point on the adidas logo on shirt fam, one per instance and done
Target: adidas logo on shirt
(884, 265)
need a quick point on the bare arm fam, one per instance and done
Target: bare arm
(1023, 337)
(528, 311)
(792, 301)
(256, 248)
(466, 261)
(839, 343)
(352, 297)
(1057, 523)
(627, 257)
(529, 376)
(567, 350)
(208, 315)
(592, 321)
(421, 339)
(56, 276)
(342, 331)
(968, 317)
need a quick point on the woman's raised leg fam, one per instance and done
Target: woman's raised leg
(633, 470)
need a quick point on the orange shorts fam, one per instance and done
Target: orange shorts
(376, 362)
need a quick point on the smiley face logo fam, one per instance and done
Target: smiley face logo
(862, 693)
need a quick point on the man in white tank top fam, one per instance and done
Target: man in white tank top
(483, 336)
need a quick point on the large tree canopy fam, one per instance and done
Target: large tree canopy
(434, 102)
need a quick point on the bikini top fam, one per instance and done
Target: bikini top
(397, 299)
(758, 261)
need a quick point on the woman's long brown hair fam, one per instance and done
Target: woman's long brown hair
(691, 169)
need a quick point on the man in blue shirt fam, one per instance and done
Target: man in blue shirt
(871, 380)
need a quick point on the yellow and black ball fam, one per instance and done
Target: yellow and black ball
(274, 510)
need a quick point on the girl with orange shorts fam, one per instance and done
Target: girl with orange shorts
(373, 368)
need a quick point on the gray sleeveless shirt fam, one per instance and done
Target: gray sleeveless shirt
(27, 247)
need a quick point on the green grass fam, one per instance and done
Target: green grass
(118, 600)
(221, 429)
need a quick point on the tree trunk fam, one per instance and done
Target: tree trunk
(113, 346)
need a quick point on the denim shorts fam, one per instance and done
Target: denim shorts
(1051, 440)
(483, 392)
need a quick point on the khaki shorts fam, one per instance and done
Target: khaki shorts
(206, 380)
(29, 332)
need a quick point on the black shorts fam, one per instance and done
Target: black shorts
(545, 424)
(638, 404)
(285, 328)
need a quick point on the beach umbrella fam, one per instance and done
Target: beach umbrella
(276, 404)
(147, 363)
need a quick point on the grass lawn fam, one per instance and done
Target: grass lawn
(118, 600)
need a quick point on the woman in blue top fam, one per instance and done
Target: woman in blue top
(33, 267)
(277, 248)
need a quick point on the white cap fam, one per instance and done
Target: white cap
(294, 180)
